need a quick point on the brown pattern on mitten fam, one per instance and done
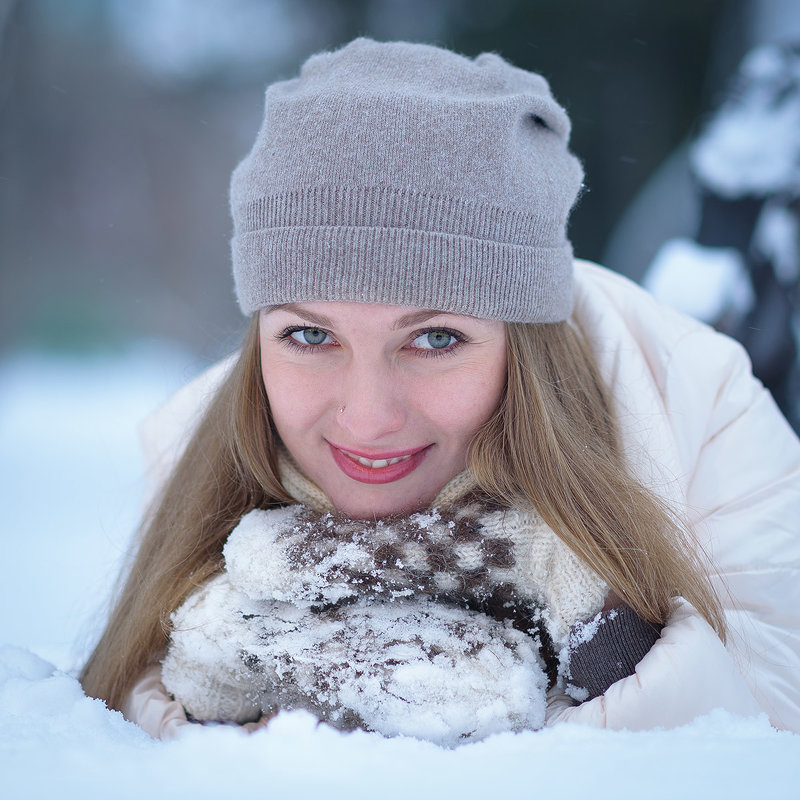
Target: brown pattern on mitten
(320, 560)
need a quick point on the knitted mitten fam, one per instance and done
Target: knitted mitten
(436, 625)
(377, 625)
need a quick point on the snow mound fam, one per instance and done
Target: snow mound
(56, 743)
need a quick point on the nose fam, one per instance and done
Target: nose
(372, 403)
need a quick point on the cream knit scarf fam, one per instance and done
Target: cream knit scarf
(442, 624)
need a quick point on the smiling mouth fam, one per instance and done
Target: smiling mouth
(391, 468)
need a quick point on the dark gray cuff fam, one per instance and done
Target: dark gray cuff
(605, 650)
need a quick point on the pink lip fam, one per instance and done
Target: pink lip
(391, 472)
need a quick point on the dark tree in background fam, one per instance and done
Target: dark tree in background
(121, 121)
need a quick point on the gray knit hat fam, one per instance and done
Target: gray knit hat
(406, 174)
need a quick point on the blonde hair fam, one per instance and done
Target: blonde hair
(552, 445)
(228, 468)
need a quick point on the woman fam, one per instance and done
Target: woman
(422, 340)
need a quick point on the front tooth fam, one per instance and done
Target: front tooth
(381, 462)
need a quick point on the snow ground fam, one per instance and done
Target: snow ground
(71, 483)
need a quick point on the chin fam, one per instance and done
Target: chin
(376, 507)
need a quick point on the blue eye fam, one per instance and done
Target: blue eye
(434, 340)
(312, 336)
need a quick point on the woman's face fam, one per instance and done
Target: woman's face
(378, 403)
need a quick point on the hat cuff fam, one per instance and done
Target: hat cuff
(401, 266)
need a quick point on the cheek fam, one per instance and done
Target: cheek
(460, 406)
(294, 400)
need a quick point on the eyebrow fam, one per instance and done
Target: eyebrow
(406, 321)
(414, 318)
(296, 308)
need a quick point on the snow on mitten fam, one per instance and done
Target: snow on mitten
(410, 667)
(203, 668)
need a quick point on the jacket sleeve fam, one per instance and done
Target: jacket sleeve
(686, 673)
(703, 433)
(152, 709)
(742, 463)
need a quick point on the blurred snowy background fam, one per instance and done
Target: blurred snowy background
(120, 121)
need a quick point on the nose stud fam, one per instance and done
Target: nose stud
(341, 410)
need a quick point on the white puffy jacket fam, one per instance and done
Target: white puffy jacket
(703, 433)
